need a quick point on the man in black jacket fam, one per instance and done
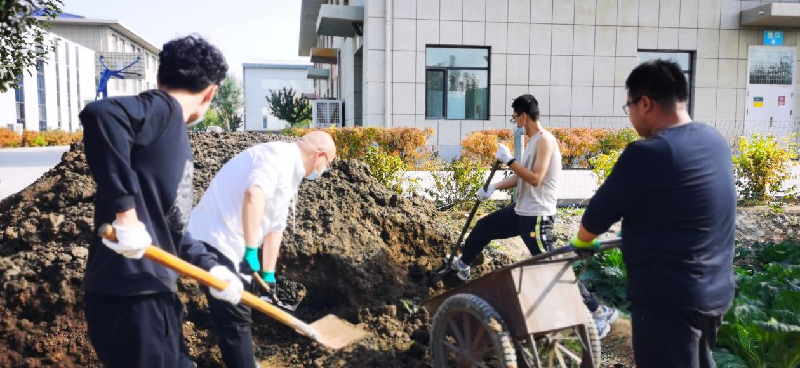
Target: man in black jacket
(674, 191)
(138, 151)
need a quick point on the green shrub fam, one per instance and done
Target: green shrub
(388, 169)
(761, 165)
(602, 165)
(457, 181)
(617, 140)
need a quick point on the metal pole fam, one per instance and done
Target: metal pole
(518, 150)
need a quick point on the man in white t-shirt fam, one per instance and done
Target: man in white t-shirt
(248, 201)
(533, 215)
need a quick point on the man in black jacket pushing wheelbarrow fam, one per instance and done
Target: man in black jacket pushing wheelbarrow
(674, 191)
(533, 215)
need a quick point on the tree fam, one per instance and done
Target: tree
(228, 102)
(211, 118)
(285, 106)
(19, 29)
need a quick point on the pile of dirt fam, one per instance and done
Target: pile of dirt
(362, 252)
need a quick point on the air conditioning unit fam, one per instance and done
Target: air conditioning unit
(327, 113)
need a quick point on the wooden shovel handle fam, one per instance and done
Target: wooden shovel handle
(204, 277)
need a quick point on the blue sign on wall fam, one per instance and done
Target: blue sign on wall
(773, 38)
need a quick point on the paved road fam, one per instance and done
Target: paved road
(19, 167)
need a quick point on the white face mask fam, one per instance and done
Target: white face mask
(315, 174)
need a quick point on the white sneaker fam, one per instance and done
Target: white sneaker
(603, 318)
(462, 270)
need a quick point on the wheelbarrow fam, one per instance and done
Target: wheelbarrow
(529, 313)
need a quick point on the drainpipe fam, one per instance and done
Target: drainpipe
(387, 79)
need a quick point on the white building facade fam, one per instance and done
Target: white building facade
(456, 65)
(111, 38)
(52, 93)
(260, 78)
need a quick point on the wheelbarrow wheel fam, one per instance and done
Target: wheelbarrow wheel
(576, 347)
(468, 332)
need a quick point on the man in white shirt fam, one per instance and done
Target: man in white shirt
(248, 201)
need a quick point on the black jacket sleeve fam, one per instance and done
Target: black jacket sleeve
(194, 252)
(108, 139)
(621, 191)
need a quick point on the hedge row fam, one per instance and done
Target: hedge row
(10, 138)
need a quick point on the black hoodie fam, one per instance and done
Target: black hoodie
(139, 154)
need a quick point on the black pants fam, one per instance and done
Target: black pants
(233, 323)
(535, 231)
(137, 331)
(680, 339)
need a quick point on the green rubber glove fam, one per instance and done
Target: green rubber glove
(251, 257)
(583, 247)
(268, 276)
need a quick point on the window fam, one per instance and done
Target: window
(457, 83)
(684, 60)
(114, 43)
(58, 89)
(153, 60)
(264, 117)
(41, 94)
(771, 66)
(19, 98)
(69, 89)
(78, 76)
(121, 45)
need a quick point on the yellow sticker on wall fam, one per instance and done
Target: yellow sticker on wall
(758, 101)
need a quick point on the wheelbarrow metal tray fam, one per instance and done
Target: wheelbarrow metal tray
(531, 298)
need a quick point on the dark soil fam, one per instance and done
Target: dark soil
(361, 252)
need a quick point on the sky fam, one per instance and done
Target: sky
(244, 30)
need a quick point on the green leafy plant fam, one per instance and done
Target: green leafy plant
(617, 140)
(228, 101)
(285, 105)
(607, 277)
(763, 325)
(603, 163)
(20, 30)
(388, 169)
(761, 166)
(39, 141)
(457, 181)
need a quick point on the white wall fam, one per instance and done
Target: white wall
(255, 94)
(87, 88)
(572, 55)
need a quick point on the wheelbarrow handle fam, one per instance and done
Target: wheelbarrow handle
(605, 245)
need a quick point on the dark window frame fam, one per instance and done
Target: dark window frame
(41, 94)
(19, 101)
(446, 77)
(690, 73)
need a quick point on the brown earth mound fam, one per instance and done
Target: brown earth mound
(362, 252)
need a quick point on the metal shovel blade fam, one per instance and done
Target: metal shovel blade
(336, 333)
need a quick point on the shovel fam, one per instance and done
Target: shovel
(274, 294)
(449, 260)
(329, 331)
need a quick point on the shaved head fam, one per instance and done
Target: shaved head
(314, 144)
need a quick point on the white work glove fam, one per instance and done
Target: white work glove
(503, 154)
(233, 293)
(131, 241)
(485, 194)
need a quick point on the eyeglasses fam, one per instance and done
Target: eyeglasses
(513, 119)
(626, 107)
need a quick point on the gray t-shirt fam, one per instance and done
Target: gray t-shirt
(540, 200)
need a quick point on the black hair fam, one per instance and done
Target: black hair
(527, 104)
(190, 63)
(660, 80)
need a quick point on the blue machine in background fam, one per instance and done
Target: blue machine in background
(107, 74)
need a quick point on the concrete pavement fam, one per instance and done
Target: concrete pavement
(20, 167)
